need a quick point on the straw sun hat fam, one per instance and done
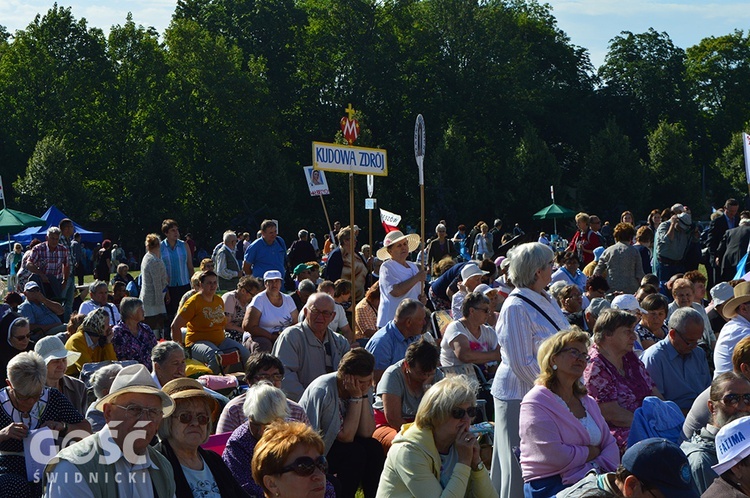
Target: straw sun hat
(395, 237)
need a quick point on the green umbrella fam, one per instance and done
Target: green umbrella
(12, 221)
(554, 212)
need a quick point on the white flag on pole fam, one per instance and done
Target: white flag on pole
(746, 149)
(390, 220)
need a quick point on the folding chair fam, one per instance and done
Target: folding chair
(230, 363)
(440, 321)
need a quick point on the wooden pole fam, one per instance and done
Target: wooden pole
(352, 245)
(421, 229)
(328, 220)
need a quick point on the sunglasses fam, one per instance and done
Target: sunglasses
(459, 413)
(187, 417)
(22, 337)
(733, 400)
(305, 466)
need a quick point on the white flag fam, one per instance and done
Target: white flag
(2, 193)
(390, 220)
(746, 149)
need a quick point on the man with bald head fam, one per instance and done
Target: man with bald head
(388, 345)
(309, 349)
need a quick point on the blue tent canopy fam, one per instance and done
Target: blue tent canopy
(53, 217)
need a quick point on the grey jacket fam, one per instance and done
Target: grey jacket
(304, 357)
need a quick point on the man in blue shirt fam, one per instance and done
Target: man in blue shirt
(42, 313)
(677, 366)
(388, 345)
(266, 253)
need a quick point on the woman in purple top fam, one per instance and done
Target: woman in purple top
(615, 377)
(133, 339)
(264, 404)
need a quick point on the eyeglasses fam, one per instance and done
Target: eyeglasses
(459, 413)
(687, 343)
(22, 337)
(316, 311)
(275, 377)
(578, 355)
(733, 399)
(187, 417)
(305, 466)
(137, 412)
(483, 310)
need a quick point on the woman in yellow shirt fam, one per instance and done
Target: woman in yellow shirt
(203, 316)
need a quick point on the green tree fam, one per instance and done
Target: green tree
(731, 166)
(718, 69)
(51, 177)
(52, 81)
(673, 177)
(612, 177)
(644, 78)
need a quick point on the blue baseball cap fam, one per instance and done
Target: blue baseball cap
(660, 463)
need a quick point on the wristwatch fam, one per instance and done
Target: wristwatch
(480, 466)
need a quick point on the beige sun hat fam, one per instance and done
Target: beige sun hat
(741, 296)
(394, 238)
(185, 388)
(136, 379)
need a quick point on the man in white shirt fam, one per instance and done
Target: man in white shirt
(118, 461)
(737, 311)
(98, 290)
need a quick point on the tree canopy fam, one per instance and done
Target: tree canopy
(211, 121)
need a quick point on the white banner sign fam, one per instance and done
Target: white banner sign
(348, 159)
(316, 181)
(746, 149)
(390, 219)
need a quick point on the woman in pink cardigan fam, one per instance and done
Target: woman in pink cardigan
(563, 433)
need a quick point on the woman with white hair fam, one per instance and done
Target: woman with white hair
(438, 456)
(528, 317)
(27, 404)
(197, 472)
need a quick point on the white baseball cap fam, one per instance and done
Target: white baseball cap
(627, 302)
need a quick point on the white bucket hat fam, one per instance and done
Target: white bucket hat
(471, 270)
(52, 348)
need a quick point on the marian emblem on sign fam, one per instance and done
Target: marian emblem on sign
(350, 126)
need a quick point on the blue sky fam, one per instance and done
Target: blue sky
(589, 23)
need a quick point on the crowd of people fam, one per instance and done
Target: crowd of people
(484, 365)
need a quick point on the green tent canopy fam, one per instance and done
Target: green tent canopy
(12, 221)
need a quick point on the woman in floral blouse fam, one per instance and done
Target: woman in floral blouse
(615, 377)
(133, 339)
